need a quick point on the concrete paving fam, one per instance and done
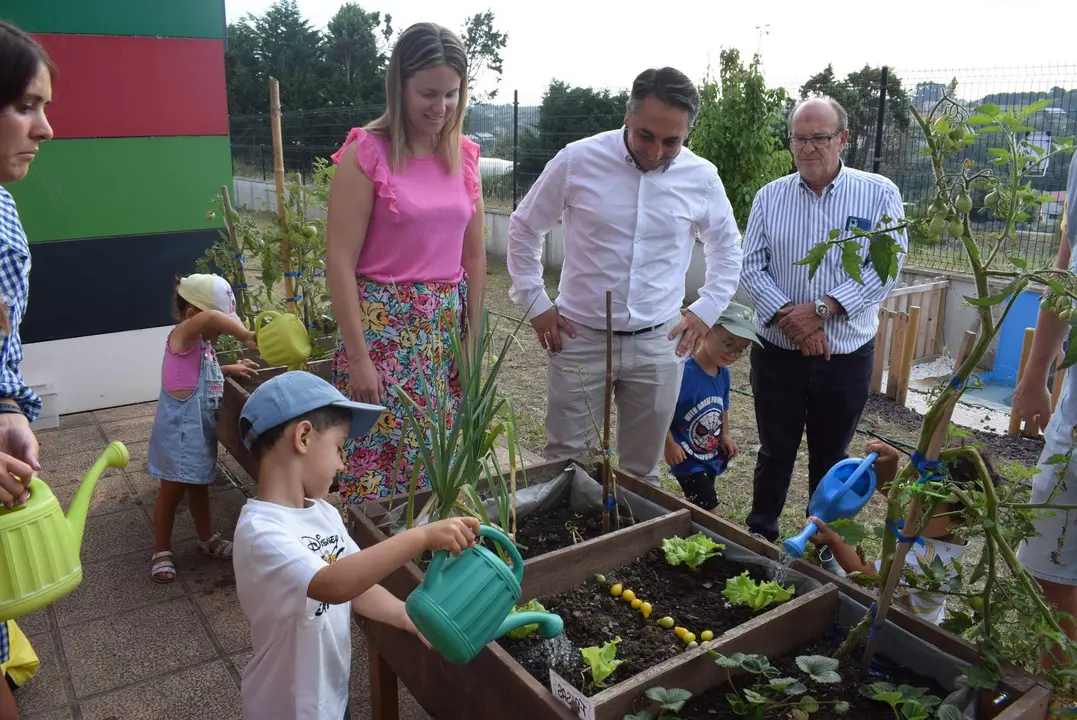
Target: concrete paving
(122, 646)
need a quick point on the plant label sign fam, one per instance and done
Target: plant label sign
(573, 699)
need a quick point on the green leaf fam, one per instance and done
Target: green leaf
(990, 109)
(834, 234)
(979, 678)
(641, 715)
(1019, 262)
(743, 590)
(851, 261)
(789, 686)
(883, 251)
(841, 707)
(913, 710)
(523, 631)
(672, 699)
(753, 697)
(808, 704)
(821, 669)
(814, 258)
(729, 662)
(602, 660)
(980, 119)
(1071, 350)
(852, 532)
(692, 551)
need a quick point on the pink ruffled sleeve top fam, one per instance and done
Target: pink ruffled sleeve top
(416, 229)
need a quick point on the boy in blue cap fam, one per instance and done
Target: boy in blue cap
(699, 444)
(298, 573)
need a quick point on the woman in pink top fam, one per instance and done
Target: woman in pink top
(405, 252)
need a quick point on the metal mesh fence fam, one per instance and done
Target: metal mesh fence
(518, 140)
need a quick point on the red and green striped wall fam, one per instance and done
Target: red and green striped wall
(115, 206)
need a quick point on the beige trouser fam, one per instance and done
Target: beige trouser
(646, 383)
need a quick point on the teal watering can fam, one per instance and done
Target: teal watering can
(842, 493)
(465, 601)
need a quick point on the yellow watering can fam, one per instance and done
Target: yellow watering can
(39, 547)
(282, 339)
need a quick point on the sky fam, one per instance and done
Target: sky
(600, 44)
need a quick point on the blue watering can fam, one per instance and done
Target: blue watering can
(842, 493)
(465, 601)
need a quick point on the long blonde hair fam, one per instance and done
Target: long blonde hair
(420, 47)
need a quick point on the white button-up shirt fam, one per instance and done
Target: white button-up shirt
(625, 230)
(786, 221)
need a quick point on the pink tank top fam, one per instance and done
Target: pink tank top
(416, 229)
(180, 371)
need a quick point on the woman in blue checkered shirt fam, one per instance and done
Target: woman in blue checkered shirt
(25, 90)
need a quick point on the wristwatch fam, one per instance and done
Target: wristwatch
(822, 309)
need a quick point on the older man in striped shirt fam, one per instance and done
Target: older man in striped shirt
(814, 366)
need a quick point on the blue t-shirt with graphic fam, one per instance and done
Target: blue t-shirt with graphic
(697, 421)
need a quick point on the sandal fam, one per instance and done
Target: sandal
(164, 571)
(216, 547)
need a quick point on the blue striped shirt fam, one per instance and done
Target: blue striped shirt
(786, 221)
(14, 291)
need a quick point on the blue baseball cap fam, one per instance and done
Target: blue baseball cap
(295, 393)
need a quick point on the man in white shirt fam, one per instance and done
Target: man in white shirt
(814, 366)
(630, 201)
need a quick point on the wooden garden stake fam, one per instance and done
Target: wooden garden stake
(242, 297)
(607, 470)
(912, 332)
(886, 596)
(278, 176)
(1026, 348)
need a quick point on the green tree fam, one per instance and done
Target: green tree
(292, 51)
(858, 93)
(484, 44)
(246, 84)
(567, 114)
(740, 129)
(356, 45)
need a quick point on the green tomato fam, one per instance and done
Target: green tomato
(991, 200)
(958, 133)
(937, 225)
(964, 203)
(956, 228)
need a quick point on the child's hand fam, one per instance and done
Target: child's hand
(728, 446)
(674, 454)
(243, 369)
(404, 623)
(824, 535)
(887, 461)
(250, 340)
(452, 534)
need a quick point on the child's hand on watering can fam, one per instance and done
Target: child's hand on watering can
(404, 623)
(250, 340)
(14, 477)
(824, 535)
(453, 534)
(886, 464)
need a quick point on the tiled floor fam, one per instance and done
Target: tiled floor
(122, 647)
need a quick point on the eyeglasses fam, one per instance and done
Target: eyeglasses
(733, 349)
(819, 142)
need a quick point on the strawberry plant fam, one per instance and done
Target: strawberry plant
(742, 590)
(668, 701)
(1010, 622)
(910, 703)
(692, 551)
(771, 693)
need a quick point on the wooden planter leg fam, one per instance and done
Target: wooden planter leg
(1015, 419)
(384, 702)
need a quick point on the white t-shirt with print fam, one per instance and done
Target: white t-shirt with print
(302, 648)
(927, 605)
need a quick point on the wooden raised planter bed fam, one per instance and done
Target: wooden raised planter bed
(494, 684)
(1028, 697)
(235, 397)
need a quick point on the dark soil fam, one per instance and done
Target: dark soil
(713, 705)
(557, 527)
(1000, 449)
(592, 617)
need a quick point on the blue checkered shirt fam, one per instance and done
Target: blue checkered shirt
(14, 291)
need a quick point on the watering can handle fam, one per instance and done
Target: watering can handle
(434, 568)
(862, 468)
(498, 537)
(261, 316)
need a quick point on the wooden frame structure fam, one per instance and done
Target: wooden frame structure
(910, 331)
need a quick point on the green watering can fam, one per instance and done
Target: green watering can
(39, 547)
(282, 339)
(465, 601)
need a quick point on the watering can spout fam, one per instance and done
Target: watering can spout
(115, 456)
(549, 625)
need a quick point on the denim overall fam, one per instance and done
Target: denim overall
(183, 444)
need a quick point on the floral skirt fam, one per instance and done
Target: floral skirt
(407, 328)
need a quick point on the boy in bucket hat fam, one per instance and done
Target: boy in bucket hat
(298, 573)
(699, 444)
